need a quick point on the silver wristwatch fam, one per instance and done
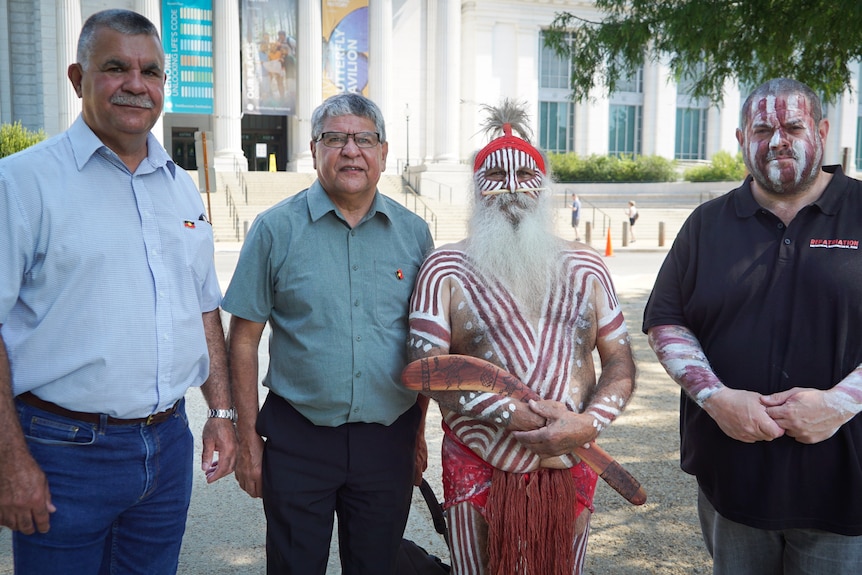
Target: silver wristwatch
(223, 414)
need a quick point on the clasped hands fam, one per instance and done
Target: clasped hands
(548, 428)
(805, 414)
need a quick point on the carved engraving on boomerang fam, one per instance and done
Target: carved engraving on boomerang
(467, 373)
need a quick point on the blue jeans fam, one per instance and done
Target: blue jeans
(738, 549)
(121, 491)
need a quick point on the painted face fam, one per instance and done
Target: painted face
(122, 88)
(508, 169)
(782, 145)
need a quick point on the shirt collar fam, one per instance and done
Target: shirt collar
(320, 204)
(85, 143)
(828, 202)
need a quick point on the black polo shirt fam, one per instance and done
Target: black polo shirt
(774, 307)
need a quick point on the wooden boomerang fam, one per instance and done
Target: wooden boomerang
(466, 373)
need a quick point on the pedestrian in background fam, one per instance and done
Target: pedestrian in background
(331, 270)
(109, 305)
(757, 314)
(576, 216)
(633, 215)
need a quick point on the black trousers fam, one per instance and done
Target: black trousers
(363, 472)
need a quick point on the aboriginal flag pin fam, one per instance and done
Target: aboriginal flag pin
(399, 274)
(189, 224)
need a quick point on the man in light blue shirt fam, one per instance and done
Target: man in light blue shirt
(109, 306)
(332, 270)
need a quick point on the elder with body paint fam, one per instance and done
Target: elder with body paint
(515, 294)
(757, 314)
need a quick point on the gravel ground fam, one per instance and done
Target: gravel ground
(226, 528)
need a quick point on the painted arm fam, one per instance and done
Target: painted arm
(814, 415)
(739, 413)
(430, 336)
(243, 341)
(218, 434)
(566, 429)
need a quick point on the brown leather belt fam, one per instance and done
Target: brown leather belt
(94, 418)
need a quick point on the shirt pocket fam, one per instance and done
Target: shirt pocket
(198, 247)
(393, 287)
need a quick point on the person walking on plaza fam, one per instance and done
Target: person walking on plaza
(109, 305)
(756, 314)
(633, 215)
(538, 306)
(331, 269)
(576, 216)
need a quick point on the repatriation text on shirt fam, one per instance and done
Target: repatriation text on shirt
(845, 244)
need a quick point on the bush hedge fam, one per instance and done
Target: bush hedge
(15, 137)
(619, 169)
(723, 168)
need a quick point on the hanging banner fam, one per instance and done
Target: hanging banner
(268, 36)
(187, 37)
(345, 46)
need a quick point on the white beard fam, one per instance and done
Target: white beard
(521, 254)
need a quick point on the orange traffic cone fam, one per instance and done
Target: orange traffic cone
(609, 247)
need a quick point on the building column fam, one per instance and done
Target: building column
(659, 111)
(379, 53)
(309, 54)
(227, 77)
(152, 9)
(68, 28)
(447, 81)
(722, 121)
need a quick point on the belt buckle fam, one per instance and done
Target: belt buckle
(150, 419)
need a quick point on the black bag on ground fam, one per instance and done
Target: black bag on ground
(413, 559)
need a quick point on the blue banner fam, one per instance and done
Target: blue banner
(187, 36)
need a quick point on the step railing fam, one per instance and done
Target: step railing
(411, 197)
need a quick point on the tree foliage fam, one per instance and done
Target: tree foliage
(710, 41)
(15, 137)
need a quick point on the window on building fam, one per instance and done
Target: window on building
(556, 118)
(556, 123)
(691, 122)
(626, 116)
(625, 130)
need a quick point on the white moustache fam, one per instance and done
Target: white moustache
(136, 101)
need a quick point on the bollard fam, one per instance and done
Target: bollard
(244, 229)
(588, 233)
(625, 234)
(661, 234)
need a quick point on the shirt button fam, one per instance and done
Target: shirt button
(358, 374)
(355, 267)
(358, 338)
(356, 303)
(786, 241)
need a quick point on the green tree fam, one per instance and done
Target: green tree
(15, 137)
(709, 41)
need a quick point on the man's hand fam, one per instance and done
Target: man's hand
(807, 415)
(218, 436)
(249, 464)
(741, 415)
(563, 431)
(25, 500)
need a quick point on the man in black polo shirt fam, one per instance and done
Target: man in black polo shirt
(757, 314)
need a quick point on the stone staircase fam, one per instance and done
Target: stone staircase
(236, 201)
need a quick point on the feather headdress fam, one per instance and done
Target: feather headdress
(502, 120)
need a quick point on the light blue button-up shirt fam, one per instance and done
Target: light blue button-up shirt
(337, 301)
(104, 275)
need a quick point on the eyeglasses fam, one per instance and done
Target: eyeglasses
(339, 139)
